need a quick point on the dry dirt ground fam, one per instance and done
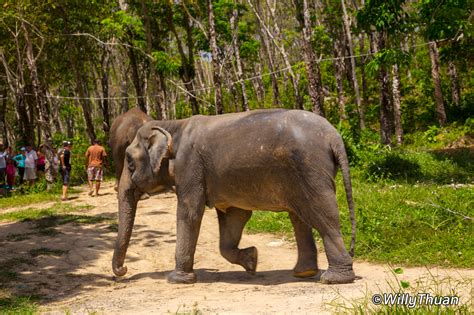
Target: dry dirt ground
(69, 266)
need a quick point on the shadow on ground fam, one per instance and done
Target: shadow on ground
(57, 257)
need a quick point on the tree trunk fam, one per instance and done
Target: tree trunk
(258, 85)
(271, 60)
(105, 65)
(282, 50)
(55, 115)
(312, 67)
(355, 82)
(3, 109)
(137, 81)
(440, 111)
(43, 110)
(385, 126)
(40, 99)
(235, 45)
(157, 100)
(123, 89)
(187, 62)
(215, 60)
(455, 90)
(365, 97)
(338, 73)
(397, 114)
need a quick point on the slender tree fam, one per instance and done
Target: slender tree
(312, 66)
(215, 59)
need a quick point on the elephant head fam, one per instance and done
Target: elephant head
(146, 169)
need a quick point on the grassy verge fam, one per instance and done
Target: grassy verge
(398, 296)
(19, 305)
(413, 207)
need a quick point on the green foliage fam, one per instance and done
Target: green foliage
(123, 25)
(166, 64)
(387, 57)
(444, 19)
(383, 15)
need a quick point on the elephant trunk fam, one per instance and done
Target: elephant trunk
(128, 198)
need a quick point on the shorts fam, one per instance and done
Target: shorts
(95, 173)
(30, 173)
(66, 175)
(40, 168)
(2, 174)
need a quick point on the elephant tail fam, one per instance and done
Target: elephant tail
(341, 157)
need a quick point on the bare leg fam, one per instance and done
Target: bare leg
(97, 187)
(64, 196)
(307, 264)
(91, 187)
(231, 225)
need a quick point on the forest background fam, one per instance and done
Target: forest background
(393, 76)
(394, 67)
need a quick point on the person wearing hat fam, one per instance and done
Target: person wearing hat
(65, 159)
(20, 163)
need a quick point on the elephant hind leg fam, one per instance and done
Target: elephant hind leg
(307, 264)
(231, 225)
(324, 217)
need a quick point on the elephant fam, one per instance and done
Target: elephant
(274, 160)
(122, 132)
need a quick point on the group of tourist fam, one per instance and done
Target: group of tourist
(27, 165)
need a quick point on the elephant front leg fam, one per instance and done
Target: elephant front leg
(231, 225)
(307, 264)
(189, 217)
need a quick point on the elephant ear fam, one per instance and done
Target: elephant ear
(160, 146)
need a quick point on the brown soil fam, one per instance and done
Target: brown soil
(73, 272)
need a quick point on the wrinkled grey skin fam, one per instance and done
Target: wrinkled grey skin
(123, 131)
(273, 160)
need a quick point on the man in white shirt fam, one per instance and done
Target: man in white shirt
(3, 163)
(30, 165)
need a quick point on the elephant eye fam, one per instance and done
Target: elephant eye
(131, 163)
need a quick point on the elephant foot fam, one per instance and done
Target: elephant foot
(145, 196)
(248, 258)
(337, 277)
(181, 277)
(306, 270)
(306, 274)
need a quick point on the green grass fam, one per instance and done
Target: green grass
(19, 200)
(25, 196)
(35, 214)
(412, 223)
(430, 284)
(414, 209)
(19, 305)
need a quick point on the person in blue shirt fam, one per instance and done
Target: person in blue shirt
(20, 163)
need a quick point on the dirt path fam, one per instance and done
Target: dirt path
(70, 264)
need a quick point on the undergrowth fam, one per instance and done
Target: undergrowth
(414, 204)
